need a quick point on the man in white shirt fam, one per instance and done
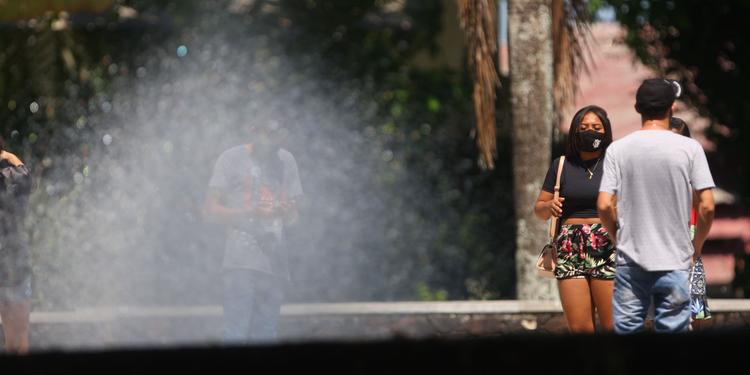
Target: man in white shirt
(644, 202)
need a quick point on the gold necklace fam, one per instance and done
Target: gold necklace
(591, 173)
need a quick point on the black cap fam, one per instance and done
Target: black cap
(656, 94)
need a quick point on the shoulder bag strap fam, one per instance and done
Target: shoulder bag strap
(553, 220)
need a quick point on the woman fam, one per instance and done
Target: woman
(15, 263)
(679, 126)
(585, 256)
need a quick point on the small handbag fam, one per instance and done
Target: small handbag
(546, 262)
(698, 301)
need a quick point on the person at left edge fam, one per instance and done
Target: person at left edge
(15, 258)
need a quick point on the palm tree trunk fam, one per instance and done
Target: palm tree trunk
(531, 88)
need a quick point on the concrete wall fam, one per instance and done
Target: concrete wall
(189, 325)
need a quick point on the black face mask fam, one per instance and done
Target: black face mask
(590, 141)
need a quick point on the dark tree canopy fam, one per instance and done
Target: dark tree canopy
(704, 44)
(342, 72)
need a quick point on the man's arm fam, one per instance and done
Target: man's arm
(705, 217)
(215, 208)
(290, 210)
(215, 211)
(606, 204)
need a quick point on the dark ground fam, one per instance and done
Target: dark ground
(695, 353)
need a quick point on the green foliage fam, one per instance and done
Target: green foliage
(706, 44)
(438, 227)
(594, 5)
(424, 293)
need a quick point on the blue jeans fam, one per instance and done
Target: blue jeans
(252, 300)
(634, 288)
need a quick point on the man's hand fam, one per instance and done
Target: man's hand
(286, 207)
(268, 209)
(606, 204)
(273, 209)
(265, 209)
(289, 211)
(11, 158)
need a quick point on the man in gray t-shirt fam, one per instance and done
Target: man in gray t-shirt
(644, 202)
(253, 193)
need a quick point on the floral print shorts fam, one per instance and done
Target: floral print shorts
(584, 251)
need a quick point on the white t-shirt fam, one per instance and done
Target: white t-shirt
(653, 173)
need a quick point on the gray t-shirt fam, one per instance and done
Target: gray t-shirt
(243, 182)
(653, 174)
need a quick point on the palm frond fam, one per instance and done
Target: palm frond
(571, 35)
(479, 21)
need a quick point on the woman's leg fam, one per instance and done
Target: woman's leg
(16, 326)
(601, 293)
(575, 297)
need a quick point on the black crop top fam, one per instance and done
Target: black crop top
(579, 192)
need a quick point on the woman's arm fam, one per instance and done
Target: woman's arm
(17, 176)
(10, 158)
(546, 205)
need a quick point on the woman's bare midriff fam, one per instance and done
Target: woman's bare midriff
(581, 220)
